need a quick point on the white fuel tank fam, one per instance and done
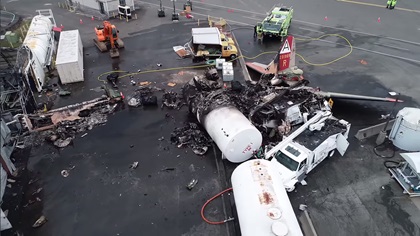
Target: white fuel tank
(405, 133)
(263, 207)
(39, 38)
(233, 133)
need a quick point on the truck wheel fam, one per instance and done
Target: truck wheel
(233, 57)
(290, 23)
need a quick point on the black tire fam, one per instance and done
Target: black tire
(233, 57)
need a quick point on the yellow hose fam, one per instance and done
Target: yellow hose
(242, 56)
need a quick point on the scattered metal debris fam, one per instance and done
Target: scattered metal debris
(37, 191)
(172, 100)
(171, 84)
(303, 207)
(63, 142)
(11, 180)
(143, 96)
(83, 135)
(65, 173)
(144, 83)
(161, 138)
(64, 93)
(134, 165)
(191, 136)
(41, 220)
(211, 73)
(32, 181)
(192, 184)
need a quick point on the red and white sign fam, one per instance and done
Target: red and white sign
(285, 53)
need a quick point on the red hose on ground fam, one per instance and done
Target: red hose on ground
(208, 201)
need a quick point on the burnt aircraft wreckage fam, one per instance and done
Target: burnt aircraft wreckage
(243, 118)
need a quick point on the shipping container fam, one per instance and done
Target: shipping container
(69, 61)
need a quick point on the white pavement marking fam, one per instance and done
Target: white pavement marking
(366, 50)
(310, 23)
(203, 8)
(47, 4)
(191, 23)
(362, 49)
(312, 30)
(390, 46)
(252, 18)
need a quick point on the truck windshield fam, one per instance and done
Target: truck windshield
(271, 26)
(286, 161)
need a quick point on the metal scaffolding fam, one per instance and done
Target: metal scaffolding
(16, 96)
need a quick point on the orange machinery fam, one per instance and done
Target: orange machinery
(107, 39)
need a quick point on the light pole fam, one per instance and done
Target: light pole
(382, 134)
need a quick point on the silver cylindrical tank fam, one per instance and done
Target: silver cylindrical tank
(405, 133)
(263, 207)
(233, 133)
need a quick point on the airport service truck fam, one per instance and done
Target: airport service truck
(306, 147)
(208, 43)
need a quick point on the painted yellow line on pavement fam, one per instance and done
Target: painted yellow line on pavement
(377, 5)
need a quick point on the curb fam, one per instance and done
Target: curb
(241, 60)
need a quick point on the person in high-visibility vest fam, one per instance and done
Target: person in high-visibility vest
(393, 3)
(388, 4)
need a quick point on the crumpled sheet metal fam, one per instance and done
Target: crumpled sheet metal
(193, 137)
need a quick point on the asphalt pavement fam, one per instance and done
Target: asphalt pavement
(351, 195)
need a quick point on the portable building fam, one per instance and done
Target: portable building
(69, 61)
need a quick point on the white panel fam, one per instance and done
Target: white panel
(342, 144)
(3, 182)
(4, 222)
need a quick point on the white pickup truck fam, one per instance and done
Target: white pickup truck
(307, 146)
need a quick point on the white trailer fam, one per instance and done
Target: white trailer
(309, 145)
(69, 61)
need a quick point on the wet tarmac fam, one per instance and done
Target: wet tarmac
(103, 196)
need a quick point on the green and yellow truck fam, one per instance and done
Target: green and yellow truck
(276, 24)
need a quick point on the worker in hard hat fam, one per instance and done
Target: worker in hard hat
(388, 4)
(393, 3)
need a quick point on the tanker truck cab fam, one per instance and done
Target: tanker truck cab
(309, 145)
(291, 162)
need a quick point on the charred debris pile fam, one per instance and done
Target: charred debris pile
(269, 108)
